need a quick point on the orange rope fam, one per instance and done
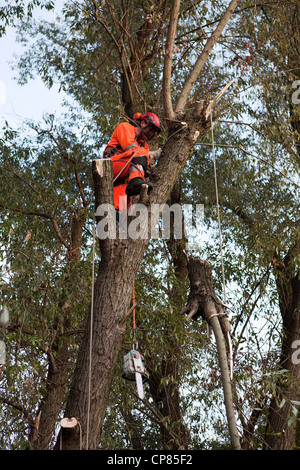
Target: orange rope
(133, 315)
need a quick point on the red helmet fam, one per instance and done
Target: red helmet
(150, 118)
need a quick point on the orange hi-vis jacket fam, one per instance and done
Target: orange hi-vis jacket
(129, 158)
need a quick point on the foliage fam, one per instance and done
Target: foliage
(257, 175)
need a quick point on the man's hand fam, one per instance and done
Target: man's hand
(154, 155)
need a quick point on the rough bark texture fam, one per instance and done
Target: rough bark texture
(166, 396)
(59, 355)
(280, 435)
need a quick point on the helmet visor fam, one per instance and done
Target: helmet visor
(150, 131)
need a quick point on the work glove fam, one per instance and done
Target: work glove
(154, 155)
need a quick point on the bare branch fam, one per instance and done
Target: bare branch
(169, 113)
(189, 83)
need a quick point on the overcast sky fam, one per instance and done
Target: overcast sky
(30, 101)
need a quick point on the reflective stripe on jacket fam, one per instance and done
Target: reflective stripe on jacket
(123, 141)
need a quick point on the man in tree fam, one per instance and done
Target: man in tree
(129, 152)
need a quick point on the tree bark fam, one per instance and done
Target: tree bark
(281, 435)
(202, 301)
(59, 354)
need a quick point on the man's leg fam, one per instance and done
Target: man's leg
(136, 176)
(120, 202)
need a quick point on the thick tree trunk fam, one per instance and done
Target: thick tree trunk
(59, 354)
(103, 336)
(281, 435)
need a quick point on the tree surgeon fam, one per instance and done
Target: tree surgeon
(129, 152)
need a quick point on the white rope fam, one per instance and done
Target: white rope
(127, 163)
(230, 356)
(91, 340)
(217, 201)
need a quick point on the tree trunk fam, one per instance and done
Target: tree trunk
(103, 336)
(120, 260)
(202, 301)
(59, 354)
(281, 435)
(166, 396)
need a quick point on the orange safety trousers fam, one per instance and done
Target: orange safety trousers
(123, 172)
(126, 162)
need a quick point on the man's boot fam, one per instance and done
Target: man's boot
(135, 185)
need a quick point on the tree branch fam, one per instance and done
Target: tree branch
(189, 83)
(67, 157)
(43, 216)
(17, 407)
(167, 101)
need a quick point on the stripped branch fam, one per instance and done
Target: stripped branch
(189, 83)
(169, 113)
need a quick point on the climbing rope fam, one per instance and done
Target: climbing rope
(230, 352)
(217, 202)
(134, 343)
(91, 337)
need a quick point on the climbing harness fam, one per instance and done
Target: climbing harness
(131, 165)
(109, 153)
(134, 364)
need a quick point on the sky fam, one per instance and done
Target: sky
(29, 101)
